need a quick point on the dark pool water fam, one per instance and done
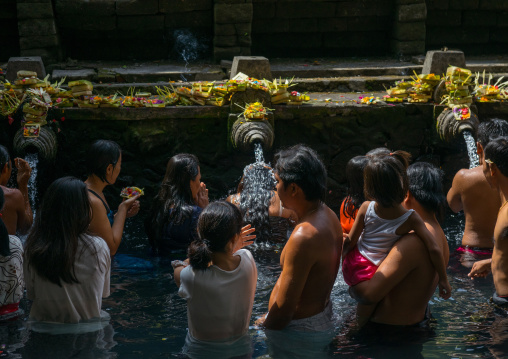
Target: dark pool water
(148, 319)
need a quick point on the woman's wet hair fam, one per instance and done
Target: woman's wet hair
(4, 157)
(100, 155)
(497, 152)
(354, 176)
(378, 151)
(385, 178)
(174, 202)
(426, 186)
(59, 226)
(256, 196)
(301, 165)
(4, 234)
(490, 130)
(219, 222)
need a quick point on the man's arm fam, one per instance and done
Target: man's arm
(297, 264)
(454, 197)
(23, 211)
(391, 272)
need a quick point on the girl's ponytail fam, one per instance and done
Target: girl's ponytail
(199, 254)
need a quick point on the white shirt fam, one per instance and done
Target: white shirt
(74, 302)
(11, 273)
(219, 302)
(378, 235)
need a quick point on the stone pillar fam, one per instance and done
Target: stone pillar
(409, 31)
(232, 29)
(37, 30)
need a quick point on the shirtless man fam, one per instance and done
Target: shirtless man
(471, 193)
(17, 213)
(495, 168)
(300, 300)
(406, 279)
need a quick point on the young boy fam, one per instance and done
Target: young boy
(495, 169)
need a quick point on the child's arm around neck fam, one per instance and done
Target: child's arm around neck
(357, 229)
(416, 224)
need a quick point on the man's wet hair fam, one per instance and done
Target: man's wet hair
(4, 157)
(497, 152)
(385, 178)
(426, 185)
(301, 165)
(489, 130)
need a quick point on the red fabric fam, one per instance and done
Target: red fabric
(9, 308)
(356, 268)
(346, 222)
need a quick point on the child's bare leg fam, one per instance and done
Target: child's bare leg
(363, 313)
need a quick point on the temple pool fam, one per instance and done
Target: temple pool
(148, 319)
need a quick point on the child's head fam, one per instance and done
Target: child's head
(425, 185)
(496, 153)
(491, 129)
(218, 225)
(354, 175)
(385, 178)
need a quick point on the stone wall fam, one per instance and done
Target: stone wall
(9, 39)
(408, 33)
(317, 28)
(134, 29)
(474, 26)
(232, 28)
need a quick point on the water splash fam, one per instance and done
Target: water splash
(258, 152)
(471, 149)
(33, 161)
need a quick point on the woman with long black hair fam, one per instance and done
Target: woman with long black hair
(66, 269)
(11, 270)
(172, 224)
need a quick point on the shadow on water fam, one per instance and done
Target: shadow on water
(149, 320)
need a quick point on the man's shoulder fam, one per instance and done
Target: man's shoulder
(470, 176)
(11, 193)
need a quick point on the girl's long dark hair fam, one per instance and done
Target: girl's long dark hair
(5, 249)
(60, 224)
(354, 175)
(256, 197)
(218, 223)
(174, 201)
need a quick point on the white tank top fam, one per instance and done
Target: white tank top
(378, 236)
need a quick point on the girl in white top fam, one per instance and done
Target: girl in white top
(66, 270)
(11, 271)
(219, 284)
(380, 223)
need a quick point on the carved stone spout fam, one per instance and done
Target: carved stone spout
(45, 144)
(448, 127)
(244, 133)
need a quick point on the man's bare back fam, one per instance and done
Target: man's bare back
(13, 213)
(471, 193)
(311, 257)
